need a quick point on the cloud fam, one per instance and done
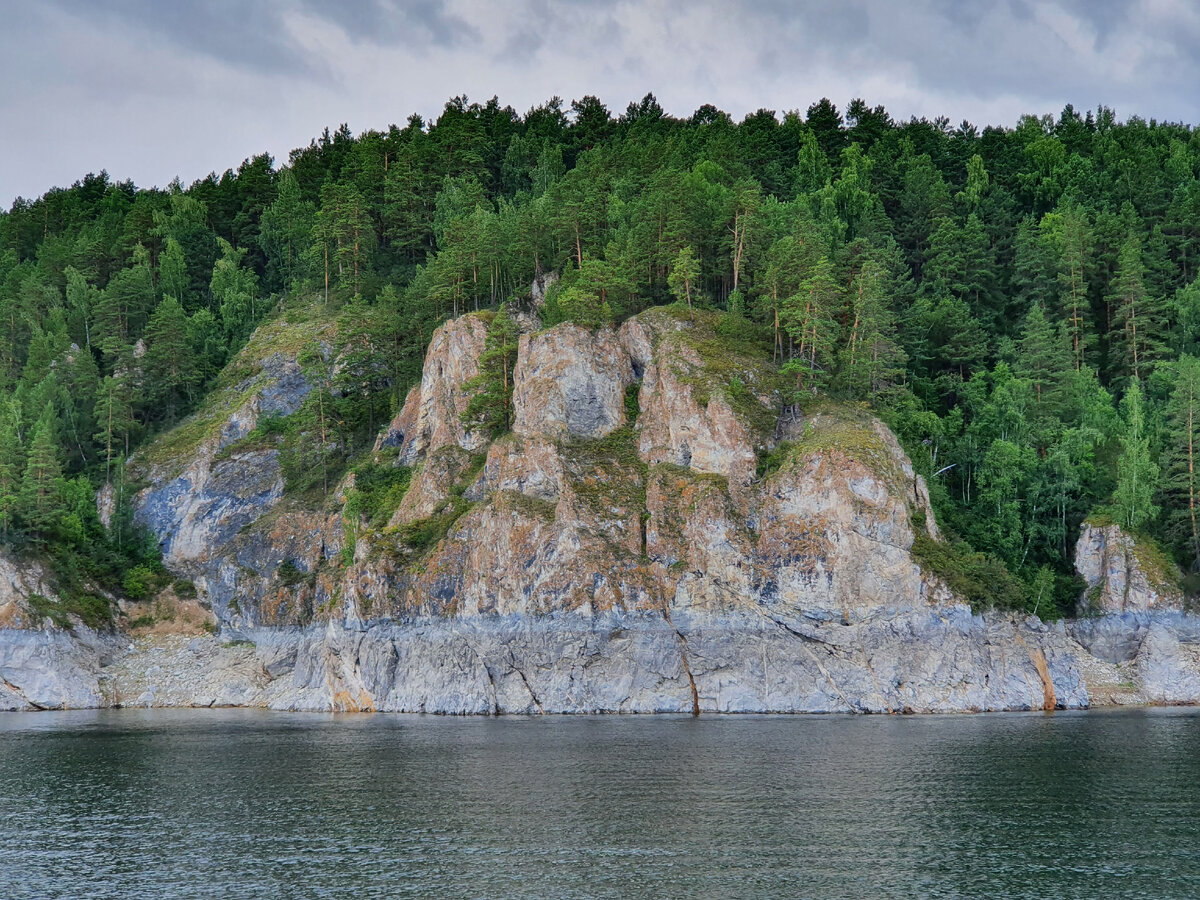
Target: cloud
(150, 90)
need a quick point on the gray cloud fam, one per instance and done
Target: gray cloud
(150, 90)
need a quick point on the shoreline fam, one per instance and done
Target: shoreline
(900, 661)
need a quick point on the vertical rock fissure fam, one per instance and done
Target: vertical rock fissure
(1038, 658)
(683, 658)
(532, 694)
(495, 703)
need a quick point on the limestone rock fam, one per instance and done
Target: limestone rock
(570, 382)
(688, 399)
(1123, 576)
(51, 668)
(19, 579)
(432, 417)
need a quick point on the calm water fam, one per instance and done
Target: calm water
(171, 804)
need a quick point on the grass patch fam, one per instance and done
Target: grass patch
(378, 490)
(850, 430)
(290, 575)
(733, 365)
(420, 536)
(286, 335)
(425, 534)
(606, 472)
(93, 610)
(1161, 571)
(530, 507)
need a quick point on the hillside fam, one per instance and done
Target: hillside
(633, 366)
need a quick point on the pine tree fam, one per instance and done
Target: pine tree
(169, 363)
(234, 291)
(490, 406)
(285, 232)
(12, 464)
(40, 502)
(811, 319)
(124, 306)
(1183, 479)
(82, 298)
(1075, 240)
(172, 272)
(115, 420)
(1139, 338)
(873, 359)
(1043, 360)
(685, 272)
(1137, 474)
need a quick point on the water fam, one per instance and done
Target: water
(173, 804)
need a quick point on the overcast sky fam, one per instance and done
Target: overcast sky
(151, 89)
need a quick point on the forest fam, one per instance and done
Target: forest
(1021, 304)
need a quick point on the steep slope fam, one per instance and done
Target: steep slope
(656, 533)
(620, 549)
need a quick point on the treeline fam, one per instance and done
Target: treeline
(1020, 303)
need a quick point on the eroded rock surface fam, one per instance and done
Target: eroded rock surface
(432, 414)
(1122, 575)
(657, 533)
(570, 382)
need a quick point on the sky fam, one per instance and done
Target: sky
(150, 90)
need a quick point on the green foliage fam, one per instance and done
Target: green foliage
(979, 578)
(139, 582)
(490, 406)
(378, 490)
(1137, 474)
(991, 293)
(425, 534)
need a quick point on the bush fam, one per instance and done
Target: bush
(139, 582)
(979, 578)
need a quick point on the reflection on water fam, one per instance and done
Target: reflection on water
(168, 804)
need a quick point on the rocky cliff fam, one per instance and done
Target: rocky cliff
(654, 534)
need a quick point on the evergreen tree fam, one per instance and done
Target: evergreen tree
(1137, 474)
(1140, 338)
(490, 406)
(685, 272)
(170, 363)
(1075, 248)
(286, 231)
(810, 317)
(1183, 479)
(873, 359)
(115, 420)
(234, 291)
(40, 500)
(172, 272)
(82, 299)
(1043, 360)
(12, 464)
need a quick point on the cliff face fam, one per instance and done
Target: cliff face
(652, 535)
(1123, 575)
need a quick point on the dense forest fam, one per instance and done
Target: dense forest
(1021, 304)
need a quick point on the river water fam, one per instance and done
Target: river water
(173, 804)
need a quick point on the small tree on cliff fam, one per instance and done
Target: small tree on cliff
(490, 406)
(685, 272)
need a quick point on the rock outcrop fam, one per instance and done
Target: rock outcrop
(569, 382)
(1122, 574)
(431, 417)
(656, 533)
